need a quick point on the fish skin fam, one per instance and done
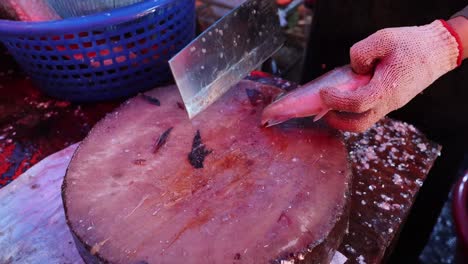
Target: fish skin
(305, 101)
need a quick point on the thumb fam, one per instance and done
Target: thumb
(357, 101)
(353, 122)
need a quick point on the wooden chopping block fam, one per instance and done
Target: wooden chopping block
(150, 186)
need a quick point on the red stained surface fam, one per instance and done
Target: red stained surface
(5, 166)
(260, 74)
(33, 125)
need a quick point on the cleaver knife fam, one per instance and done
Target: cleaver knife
(226, 52)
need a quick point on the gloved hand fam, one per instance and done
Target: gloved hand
(404, 61)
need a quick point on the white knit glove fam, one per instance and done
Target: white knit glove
(404, 61)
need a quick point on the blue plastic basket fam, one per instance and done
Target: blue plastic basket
(102, 56)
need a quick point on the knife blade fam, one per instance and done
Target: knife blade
(226, 52)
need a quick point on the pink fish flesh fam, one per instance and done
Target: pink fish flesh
(306, 101)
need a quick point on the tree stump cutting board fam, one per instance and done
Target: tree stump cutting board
(148, 185)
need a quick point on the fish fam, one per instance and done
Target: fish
(27, 10)
(305, 101)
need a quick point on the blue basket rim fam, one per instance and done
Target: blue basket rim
(86, 23)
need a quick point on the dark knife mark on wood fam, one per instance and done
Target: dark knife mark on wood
(162, 140)
(151, 100)
(256, 97)
(199, 152)
(284, 219)
(139, 162)
(181, 105)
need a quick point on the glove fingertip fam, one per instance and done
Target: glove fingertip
(345, 123)
(337, 122)
(331, 96)
(362, 63)
(361, 67)
(331, 93)
(364, 54)
(340, 100)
